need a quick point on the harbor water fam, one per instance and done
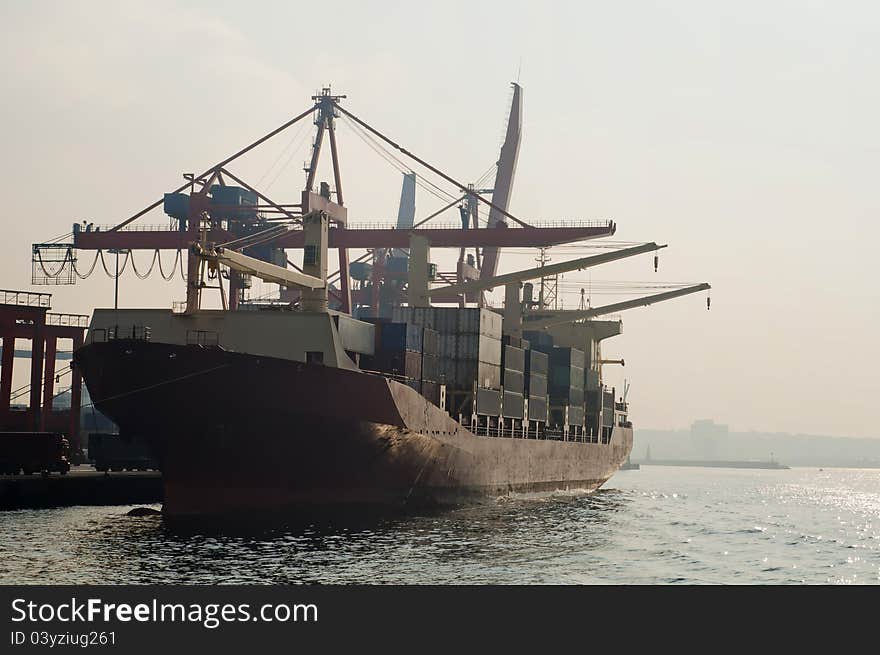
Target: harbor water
(656, 525)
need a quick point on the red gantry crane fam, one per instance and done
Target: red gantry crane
(219, 207)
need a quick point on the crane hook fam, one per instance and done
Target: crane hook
(708, 302)
(656, 262)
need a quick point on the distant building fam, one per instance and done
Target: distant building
(708, 428)
(707, 436)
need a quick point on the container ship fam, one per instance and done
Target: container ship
(387, 383)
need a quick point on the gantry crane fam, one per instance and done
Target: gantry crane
(219, 207)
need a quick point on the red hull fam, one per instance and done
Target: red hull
(237, 432)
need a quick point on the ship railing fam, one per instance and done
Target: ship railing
(136, 227)
(24, 298)
(67, 320)
(202, 338)
(117, 332)
(386, 374)
(389, 224)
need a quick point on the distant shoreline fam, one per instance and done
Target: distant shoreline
(730, 464)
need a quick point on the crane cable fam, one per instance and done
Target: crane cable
(157, 257)
(168, 278)
(113, 276)
(395, 162)
(149, 270)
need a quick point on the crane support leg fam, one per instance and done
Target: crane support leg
(75, 399)
(419, 256)
(48, 378)
(315, 260)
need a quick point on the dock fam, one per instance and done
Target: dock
(83, 485)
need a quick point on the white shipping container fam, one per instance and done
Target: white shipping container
(479, 347)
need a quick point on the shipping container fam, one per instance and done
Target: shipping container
(479, 347)
(488, 402)
(608, 417)
(568, 357)
(539, 340)
(537, 408)
(430, 339)
(422, 316)
(377, 324)
(513, 358)
(469, 372)
(446, 370)
(570, 396)
(608, 399)
(561, 378)
(475, 320)
(401, 336)
(592, 379)
(513, 381)
(537, 362)
(446, 345)
(510, 340)
(430, 368)
(537, 385)
(446, 319)
(593, 401)
(113, 452)
(576, 415)
(513, 405)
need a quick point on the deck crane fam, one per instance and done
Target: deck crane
(543, 319)
(311, 281)
(503, 186)
(578, 329)
(420, 294)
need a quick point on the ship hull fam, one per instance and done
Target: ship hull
(243, 433)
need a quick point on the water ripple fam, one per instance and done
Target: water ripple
(658, 525)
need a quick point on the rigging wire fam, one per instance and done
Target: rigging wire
(299, 132)
(395, 162)
(486, 175)
(293, 153)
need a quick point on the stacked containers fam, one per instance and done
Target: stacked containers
(537, 365)
(608, 408)
(593, 409)
(513, 381)
(566, 382)
(477, 348)
(468, 345)
(430, 365)
(398, 351)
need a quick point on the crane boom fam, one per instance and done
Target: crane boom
(542, 271)
(501, 190)
(257, 267)
(545, 319)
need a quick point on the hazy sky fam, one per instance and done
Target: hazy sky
(745, 135)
